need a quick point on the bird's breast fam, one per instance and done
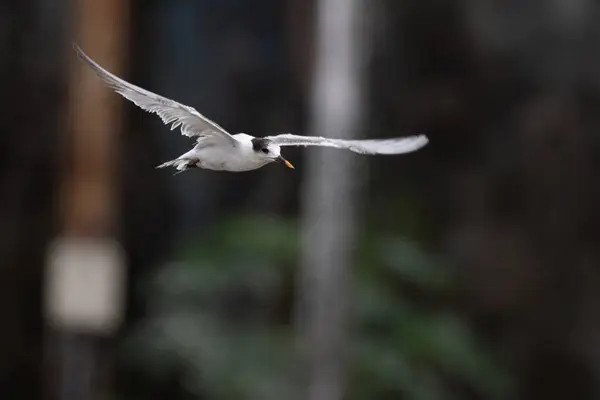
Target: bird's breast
(232, 160)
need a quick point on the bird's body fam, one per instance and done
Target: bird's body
(218, 150)
(209, 154)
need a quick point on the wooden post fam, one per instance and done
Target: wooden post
(85, 275)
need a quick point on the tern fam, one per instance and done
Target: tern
(218, 150)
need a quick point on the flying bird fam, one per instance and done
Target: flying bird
(218, 150)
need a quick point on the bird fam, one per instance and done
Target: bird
(218, 150)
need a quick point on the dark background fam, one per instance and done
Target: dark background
(478, 269)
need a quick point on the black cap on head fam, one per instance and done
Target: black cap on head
(259, 143)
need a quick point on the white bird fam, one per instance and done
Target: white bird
(218, 150)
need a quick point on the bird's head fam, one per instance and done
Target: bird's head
(269, 151)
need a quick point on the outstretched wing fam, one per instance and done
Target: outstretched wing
(192, 123)
(369, 146)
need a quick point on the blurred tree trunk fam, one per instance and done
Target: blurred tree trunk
(35, 48)
(32, 100)
(330, 197)
(85, 271)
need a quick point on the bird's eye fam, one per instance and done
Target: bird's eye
(266, 151)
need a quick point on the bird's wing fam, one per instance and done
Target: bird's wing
(171, 112)
(370, 146)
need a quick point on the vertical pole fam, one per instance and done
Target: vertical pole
(85, 273)
(331, 197)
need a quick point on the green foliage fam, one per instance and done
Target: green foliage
(224, 314)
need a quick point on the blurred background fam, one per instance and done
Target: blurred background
(467, 270)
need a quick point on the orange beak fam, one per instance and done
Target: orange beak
(285, 162)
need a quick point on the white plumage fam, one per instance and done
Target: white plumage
(218, 150)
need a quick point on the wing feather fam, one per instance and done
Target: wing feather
(370, 146)
(190, 121)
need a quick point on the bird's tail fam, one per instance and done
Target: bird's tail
(180, 164)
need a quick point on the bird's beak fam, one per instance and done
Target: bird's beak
(282, 160)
